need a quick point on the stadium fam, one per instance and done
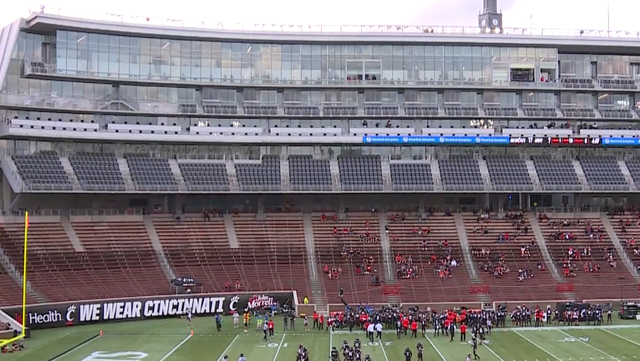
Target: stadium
(155, 169)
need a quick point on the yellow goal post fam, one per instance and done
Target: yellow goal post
(24, 286)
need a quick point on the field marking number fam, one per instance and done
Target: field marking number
(388, 343)
(574, 339)
(274, 345)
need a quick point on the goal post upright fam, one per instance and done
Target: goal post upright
(24, 273)
(22, 334)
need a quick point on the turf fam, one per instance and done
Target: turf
(171, 340)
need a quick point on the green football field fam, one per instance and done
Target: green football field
(171, 340)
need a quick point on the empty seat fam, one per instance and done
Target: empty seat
(509, 174)
(411, 177)
(260, 177)
(461, 173)
(360, 173)
(556, 175)
(603, 173)
(42, 171)
(97, 171)
(151, 174)
(308, 174)
(205, 177)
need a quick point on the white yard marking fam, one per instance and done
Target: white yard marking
(77, 348)
(384, 352)
(279, 347)
(168, 354)
(435, 348)
(228, 347)
(536, 345)
(621, 337)
(493, 352)
(589, 345)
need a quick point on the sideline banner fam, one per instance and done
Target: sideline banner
(131, 309)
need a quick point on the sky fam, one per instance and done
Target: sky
(539, 14)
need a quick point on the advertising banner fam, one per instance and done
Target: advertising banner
(132, 309)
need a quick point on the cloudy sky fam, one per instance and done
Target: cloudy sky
(545, 14)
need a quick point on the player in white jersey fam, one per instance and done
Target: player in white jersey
(236, 319)
(189, 318)
(242, 358)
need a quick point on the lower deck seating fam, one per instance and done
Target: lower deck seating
(60, 273)
(273, 252)
(585, 233)
(335, 237)
(121, 252)
(628, 230)
(498, 244)
(424, 242)
(199, 248)
(11, 294)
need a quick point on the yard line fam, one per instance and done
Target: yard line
(77, 347)
(494, 353)
(330, 341)
(587, 344)
(621, 337)
(228, 347)
(279, 347)
(384, 352)
(168, 354)
(538, 346)
(435, 347)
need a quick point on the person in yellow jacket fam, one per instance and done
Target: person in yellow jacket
(305, 300)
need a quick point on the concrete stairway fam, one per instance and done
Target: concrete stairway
(317, 290)
(467, 257)
(388, 264)
(157, 247)
(548, 260)
(16, 276)
(71, 233)
(624, 258)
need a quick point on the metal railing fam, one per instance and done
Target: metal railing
(308, 28)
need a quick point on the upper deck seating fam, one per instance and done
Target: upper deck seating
(308, 174)
(207, 177)
(151, 174)
(360, 173)
(357, 231)
(461, 173)
(97, 171)
(427, 244)
(634, 169)
(42, 171)
(264, 176)
(603, 173)
(509, 173)
(411, 177)
(556, 174)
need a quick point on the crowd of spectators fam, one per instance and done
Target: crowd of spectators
(363, 263)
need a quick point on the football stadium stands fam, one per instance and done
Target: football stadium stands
(300, 125)
(431, 245)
